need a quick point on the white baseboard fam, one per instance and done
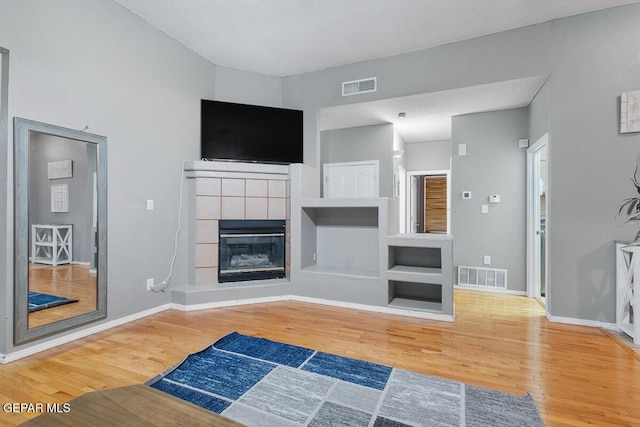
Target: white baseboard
(230, 303)
(10, 357)
(488, 289)
(582, 322)
(385, 310)
(376, 309)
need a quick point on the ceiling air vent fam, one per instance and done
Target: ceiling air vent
(356, 87)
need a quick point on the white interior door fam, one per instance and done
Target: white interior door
(352, 179)
(413, 205)
(537, 214)
(402, 199)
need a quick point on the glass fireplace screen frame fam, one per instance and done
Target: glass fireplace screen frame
(251, 250)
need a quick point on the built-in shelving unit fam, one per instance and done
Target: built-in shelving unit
(420, 273)
(341, 237)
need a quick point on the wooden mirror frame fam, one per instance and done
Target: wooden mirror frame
(22, 130)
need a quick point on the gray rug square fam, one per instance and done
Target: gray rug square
(355, 396)
(333, 415)
(255, 418)
(385, 422)
(489, 407)
(418, 399)
(288, 393)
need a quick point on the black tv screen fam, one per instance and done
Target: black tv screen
(250, 133)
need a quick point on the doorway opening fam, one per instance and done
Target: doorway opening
(429, 202)
(537, 220)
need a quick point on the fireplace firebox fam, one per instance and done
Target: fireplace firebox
(251, 250)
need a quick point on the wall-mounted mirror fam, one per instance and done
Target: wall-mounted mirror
(60, 188)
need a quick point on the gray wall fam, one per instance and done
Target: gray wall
(494, 165)
(539, 111)
(362, 143)
(247, 88)
(78, 63)
(45, 149)
(6, 257)
(595, 58)
(431, 155)
(499, 57)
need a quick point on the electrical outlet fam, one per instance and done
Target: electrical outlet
(487, 260)
(149, 284)
(149, 205)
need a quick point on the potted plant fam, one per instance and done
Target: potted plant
(631, 206)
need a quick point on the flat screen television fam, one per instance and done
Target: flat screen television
(250, 133)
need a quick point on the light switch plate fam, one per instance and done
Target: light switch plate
(485, 209)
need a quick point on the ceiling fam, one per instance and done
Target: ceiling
(289, 37)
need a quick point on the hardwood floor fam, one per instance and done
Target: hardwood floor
(71, 281)
(578, 376)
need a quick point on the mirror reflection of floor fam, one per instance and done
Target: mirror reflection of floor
(71, 281)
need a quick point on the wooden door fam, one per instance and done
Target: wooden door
(435, 204)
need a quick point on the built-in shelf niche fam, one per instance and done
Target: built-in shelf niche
(417, 296)
(340, 240)
(420, 273)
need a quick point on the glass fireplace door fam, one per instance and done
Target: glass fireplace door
(251, 250)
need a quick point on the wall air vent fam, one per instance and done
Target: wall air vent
(485, 277)
(356, 87)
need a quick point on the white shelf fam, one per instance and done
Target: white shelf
(342, 203)
(420, 240)
(416, 304)
(411, 273)
(342, 271)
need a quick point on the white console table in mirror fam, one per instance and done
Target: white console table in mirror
(628, 289)
(51, 244)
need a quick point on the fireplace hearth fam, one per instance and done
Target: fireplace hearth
(251, 250)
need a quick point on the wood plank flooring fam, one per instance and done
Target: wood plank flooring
(578, 376)
(71, 281)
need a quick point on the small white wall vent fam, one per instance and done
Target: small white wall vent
(356, 87)
(487, 277)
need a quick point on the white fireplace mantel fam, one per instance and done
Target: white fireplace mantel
(222, 169)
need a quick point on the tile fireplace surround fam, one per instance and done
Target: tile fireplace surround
(231, 190)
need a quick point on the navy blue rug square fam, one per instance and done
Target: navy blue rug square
(39, 301)
(264, 349)
(224, 374)
(351, 370)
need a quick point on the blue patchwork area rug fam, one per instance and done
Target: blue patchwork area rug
(38, 301)
(259, 382)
